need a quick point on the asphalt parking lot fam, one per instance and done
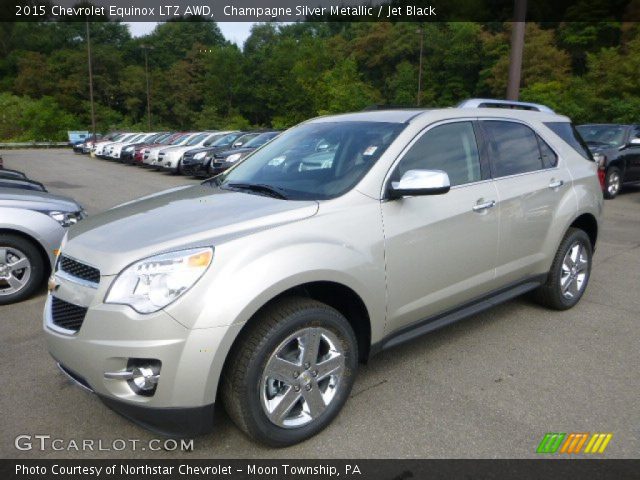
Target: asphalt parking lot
(488, 387)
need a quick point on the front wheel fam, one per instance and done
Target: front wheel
(570, 272)
(22, 269)
(291, 372)
(612, 183)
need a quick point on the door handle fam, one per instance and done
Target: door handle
(479, 207)
(556, 184)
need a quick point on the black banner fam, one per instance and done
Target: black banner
(317, 10)
(326, 469)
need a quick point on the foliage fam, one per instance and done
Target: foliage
(285, 74)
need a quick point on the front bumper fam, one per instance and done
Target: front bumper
(174, 422)
(196, 169)
(219, 166)
(110, 335)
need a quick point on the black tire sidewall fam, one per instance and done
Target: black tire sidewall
(38, 267)
(583, 238)
(259, 423)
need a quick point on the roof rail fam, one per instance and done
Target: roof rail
(495, 103)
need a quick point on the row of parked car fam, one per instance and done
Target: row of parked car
(615, 147)
(200, 154)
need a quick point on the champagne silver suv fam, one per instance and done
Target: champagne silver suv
(263, 288)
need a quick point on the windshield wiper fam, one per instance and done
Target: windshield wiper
(259, 188)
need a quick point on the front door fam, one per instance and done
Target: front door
(441, 250)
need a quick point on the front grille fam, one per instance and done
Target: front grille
(79, 270)
(67, 315)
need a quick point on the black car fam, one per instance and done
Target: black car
(196, 161)
(22, 184)
(12, 175)
(616, 147)
(227, 158)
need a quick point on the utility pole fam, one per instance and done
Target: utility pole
(420, 31)
(146, 72)
(93, 112)
(517, 46)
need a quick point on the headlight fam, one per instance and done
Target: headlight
(199, 156)
(66, 219)
(155, 282)
(234, 157)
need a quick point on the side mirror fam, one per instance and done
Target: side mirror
(635, 141)
(420, 182)
(237, 144)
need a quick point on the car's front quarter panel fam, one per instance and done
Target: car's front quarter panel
(37, 225)
(342, 243)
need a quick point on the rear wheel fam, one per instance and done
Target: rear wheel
(612, 183)
(291, 372)
(569, 274)
(22, 269)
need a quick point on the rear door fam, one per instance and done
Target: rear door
(530, 184)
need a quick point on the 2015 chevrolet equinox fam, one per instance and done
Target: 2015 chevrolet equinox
(344, 236)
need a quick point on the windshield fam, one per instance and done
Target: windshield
(606, 135)
(315, 160)
(197, 139)
(179, 140)
(225, 140)
(260, 140)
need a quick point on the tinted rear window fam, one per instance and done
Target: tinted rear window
(569, 134)
(515, 148)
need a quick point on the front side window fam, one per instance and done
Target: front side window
(451, 148)
(313, 161)
(514, 148)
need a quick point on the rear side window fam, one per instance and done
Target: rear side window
(549, 157)
(568, 133)
(514, 148)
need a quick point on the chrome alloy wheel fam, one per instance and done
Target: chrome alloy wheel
(613, 183)
(15, 270)
(302, 377)
(575, 267)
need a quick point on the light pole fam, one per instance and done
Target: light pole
(517, 45)
(420, 31)
(93, 113)
(146, 49)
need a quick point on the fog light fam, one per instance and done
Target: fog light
(145, 373)
(142, 375)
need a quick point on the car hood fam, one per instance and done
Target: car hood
(176, 148)
(203, 149)
(226, 153)
(177, 219)
(34, 200)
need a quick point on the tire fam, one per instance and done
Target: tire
(251, 397)
(551, 294)
(612, 183)
(17, 284)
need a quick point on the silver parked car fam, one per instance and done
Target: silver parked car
(32, 225)
(267, 284)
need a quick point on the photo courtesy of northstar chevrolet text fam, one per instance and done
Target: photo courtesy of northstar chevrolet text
(258, 239)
